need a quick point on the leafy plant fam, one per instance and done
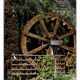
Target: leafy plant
(62, 77)
(46, 67)
(13, 78)
(66, 77)
(46, 70)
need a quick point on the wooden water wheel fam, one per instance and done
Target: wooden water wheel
(47, 33)
(51, 35)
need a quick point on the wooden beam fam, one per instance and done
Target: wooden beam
(22, 64)
(68, 48)
(24, 74)
(38, 49)
(57, 25)
(44, 26)
(23, 69)
(36, 36)
(67, 34)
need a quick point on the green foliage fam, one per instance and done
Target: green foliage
(46, 70)
(46, 67)
(43, 5)
(67, 13)
(13, 78)
(66, 77)
(34, 7)
(63, 77)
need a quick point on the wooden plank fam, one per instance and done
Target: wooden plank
(19, 60)
(22, 64)
(59, 55)
(35, 55)
(63, 72)
(71, 65)
(58, 68)
(36, 36)
(60, 64)
(30, 61)
(13, 69)
(29, 55)
(24, 74)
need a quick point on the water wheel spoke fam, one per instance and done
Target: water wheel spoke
(38, 49)
(57, 25)
(68, 48)
(36, 36)
(31, 61)
(44, 26)
(67, 34)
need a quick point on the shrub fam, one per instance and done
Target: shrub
(46, 67)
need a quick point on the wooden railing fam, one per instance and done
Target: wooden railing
(21, 67)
